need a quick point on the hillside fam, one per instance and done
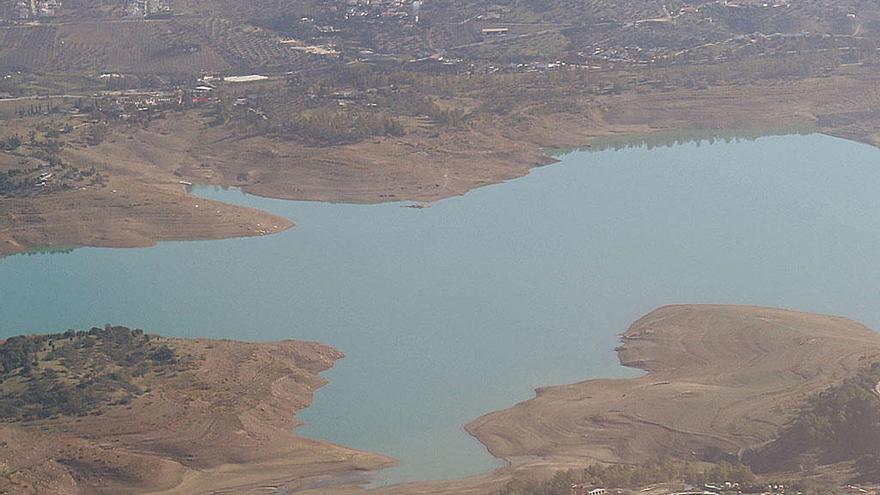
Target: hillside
(719, 380)
(113, 410)
(225, 36)
(839, 425)
(362, 102)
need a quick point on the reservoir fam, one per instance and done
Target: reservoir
(450, 312)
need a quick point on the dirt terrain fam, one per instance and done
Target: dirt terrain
(222, 426)
(718, 379)
(143, 202)
(427, 165)
(125, 213)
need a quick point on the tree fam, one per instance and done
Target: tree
(12, 143)
(163, 354)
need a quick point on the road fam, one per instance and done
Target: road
(46, 97)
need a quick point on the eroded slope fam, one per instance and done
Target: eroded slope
(218, 415)
(719, 379)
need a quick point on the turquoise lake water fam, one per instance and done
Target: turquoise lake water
(450, 312)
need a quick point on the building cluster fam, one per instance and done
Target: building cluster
(150, 8)
(717, 488)
(146, 101)
(30, 9)
(382, 9)
(586, 489)
(764, 489)
(754, 3)
(23, 10)
(405, 12)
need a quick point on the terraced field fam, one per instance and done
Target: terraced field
(243, 46)
(187, 46)
(229, 36)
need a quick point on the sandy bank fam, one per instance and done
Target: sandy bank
(718, 379)
(145, 165)
(224, 425)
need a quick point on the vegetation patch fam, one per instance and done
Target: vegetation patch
(76, 373)
(838, 425)
(633, 476)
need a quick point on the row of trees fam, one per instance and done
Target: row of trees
(632, 476)
(37, 109)
(327, 126)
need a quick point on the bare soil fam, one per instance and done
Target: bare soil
(145, 166)
(718, 379)
(224, 426)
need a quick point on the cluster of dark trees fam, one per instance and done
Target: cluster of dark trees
(11, 143)
(19, 352)
(840, 424)
(90, 369)
(46, 397)
(48, 151)
(11, 181)
(37, 109)
(632, 476)
(410, 102)
(326, 126)
(364, 76)
(24, 181)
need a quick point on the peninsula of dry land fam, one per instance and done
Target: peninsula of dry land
(721, 384)
(136, 198)
(719, 381)
(114, 410)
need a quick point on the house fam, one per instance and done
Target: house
(495, 31)
(202, 91)
(585, 489)
(245, 79)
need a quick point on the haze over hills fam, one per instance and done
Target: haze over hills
(105, 96)
(193, 37)
(111, 109)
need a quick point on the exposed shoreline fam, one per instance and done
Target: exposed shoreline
(718, 379)
(143, 204)
(223, 422)
(507, 434)
(696, 395)
(694, 400)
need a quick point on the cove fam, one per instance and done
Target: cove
(450, 312)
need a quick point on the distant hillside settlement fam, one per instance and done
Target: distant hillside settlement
(29, 10)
